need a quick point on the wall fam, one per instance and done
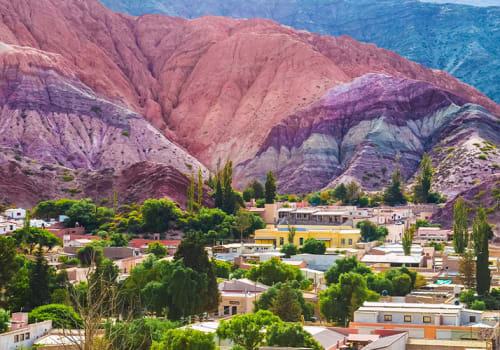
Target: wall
(36, 331)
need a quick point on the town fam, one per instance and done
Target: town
(277, 273)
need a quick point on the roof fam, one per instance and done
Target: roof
(340, 212)
(384, 342)
(324, 336)
(392, 258)
(139, 242)
(363, 337)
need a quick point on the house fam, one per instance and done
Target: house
(333, 236)
(7, 227)
(16, 214)
(425, 321)
(246, 248)
(23, 335)
(432, 234)
(393, 260)
(143, 244)
(237, 296)
(319, 262)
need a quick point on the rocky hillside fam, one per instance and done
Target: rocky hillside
(463, 40)
(86, 89)
(357, 131)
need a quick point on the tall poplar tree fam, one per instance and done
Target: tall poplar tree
(407, 240)
(228, 204)
(460, 226)
(467, 268)
(480, 234)
(270, 187)
(424, 181)
(200, 188)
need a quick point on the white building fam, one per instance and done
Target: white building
(16, 213)
(23, 335)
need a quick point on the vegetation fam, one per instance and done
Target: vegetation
(481, 232)
(313, 246)
(290, 335)
(185, 339)
(407, 240)
(460, 226)
(270, 187)
(394, 193)
(4, 321)
(289, 249)
(274, 271)
(157, 249)
(62, 316)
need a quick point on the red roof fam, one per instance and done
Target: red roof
(140, 242)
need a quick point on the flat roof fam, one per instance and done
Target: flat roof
(331, 213)
(392, 258)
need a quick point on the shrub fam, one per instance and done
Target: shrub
(450, 149)
(482, 157)
(62, 316)
(27, 172)
(17, 157)
(67, 177)
(478, 305)
(260, 203)
(496, 166)
(437, 149)
(125, 133)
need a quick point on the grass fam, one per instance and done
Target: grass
(482, 157)
(67, 178)
(437, 149)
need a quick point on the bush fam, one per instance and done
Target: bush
(67, 178)
(125, 133)
(482, 157)
(478, 305)
(313, 246)
(62, 316)
(260, 203)
(289, 250)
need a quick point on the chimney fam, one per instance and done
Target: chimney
(19, 321)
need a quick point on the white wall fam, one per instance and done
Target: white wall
(36, 331)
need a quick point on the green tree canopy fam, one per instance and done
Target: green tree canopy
(158, 213)
(290, 335)
(460, 226)
(9, 264)
(313, 246)
(62, 316)
(286, 304)
(247, 330)
(394, 194)
(185, 339)
(157, 249)
(274, 271)
(4, 320)
(481, 231)
(289, 249)
(424, 181)
(343, 266)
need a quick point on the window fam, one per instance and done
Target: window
(427, 319)
(282, 240)
(21, 337)
(301, 241)
(387, 318)
(16, 339)
(472, 318)
(226, 309)
(350, 241)
(234, 310)
(342, 241)
(407, 318)
(27, 336)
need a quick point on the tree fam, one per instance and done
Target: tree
(407, 240)
(258, 189)
(8, 262)
(193, 254)
(222, 269)
(40, 282)
(89, 255)
(481, 231)
(290, 335)
(62, 316)
(313, 246)
(467, 268)
(401, 285)
(82, 212)
(185, 339)
(4, 320)
(118, 240)
(268, 298)
(246, 330)
(424, 181)
(285, 305)
(368, 230)
(353, 192)
(243, 222)
(478, 305)
(248, 194)
(157, 249)
(218, 200)
(273, 271)
(394, 194)
(289, 250)
(29, 237)
(138, 334)
(158, 213)
(340, 193)
(270, 187)
(200, 188)
(228, 203)
(190, 195)
(343, 266)
(460, 226)
(340, 300)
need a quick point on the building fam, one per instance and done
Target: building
(16, 214)
(331, 215)
(432, 234)
(426, 321)
(7, 227)
(246, 248)
(333, 236)
(143, 244)
(393, 260)
(237, 296)
(319, 262)
(23, 335)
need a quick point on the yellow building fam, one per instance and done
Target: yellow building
(333, 236)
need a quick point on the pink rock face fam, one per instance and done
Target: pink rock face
(217, 85)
